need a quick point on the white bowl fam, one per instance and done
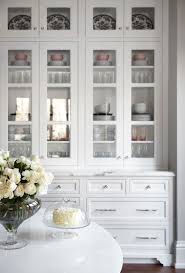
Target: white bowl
(102, 108)
(140, 108)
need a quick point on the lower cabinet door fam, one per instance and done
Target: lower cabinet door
(46, 202)
(138, 237)
(121, 210)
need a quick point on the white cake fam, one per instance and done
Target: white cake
(67, 217)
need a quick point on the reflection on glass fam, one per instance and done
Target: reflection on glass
(19, 18)
(59, 150)
(19, 133)
(104, 18)
(58, 132)
(58, 18)
(143, 150)
(58, 109)
(143, 18)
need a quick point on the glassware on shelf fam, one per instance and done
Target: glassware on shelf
(104, 77)
(142, 76)
(59, 77)
(19, 76)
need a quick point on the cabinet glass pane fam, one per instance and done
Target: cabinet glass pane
(58, 137)
(104, 139)
(58, 103)
(19, 102)
(143, 18)
(104, 18)
(19, 18)
(58, 18)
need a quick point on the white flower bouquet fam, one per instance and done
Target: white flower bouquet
(22, 177)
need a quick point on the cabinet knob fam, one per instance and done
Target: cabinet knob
(42, 28)
(105, 187)
(120, 28)
(127, 27)
(118, 157)
(35, 28)
(148, 187)
(58, 187)
(126, 157)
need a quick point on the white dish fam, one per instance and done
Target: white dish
(103, 63)
(139, 108)
(103, 117)
(140, 62)
(146, 117)
(57, 63)
(21, 62)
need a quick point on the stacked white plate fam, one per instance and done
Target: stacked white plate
(103, 63)
(141, 117)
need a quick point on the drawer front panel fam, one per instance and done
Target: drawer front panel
(148, 186)
(46, 202)
(106, 186)
(155, 210)
(139, 237)
(67, 186)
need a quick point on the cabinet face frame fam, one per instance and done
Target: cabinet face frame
(72, 47)
(156, 4)
(33, 47)
(158, 102)
(72, 5)
(117, 4)
(33, 32)
(116, 161)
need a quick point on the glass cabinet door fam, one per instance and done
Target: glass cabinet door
(143, 91)
(19, 18)
(143, 18)
(58, 17)
(104, 18)
(20, 99)
(104, 98)
(58, 94)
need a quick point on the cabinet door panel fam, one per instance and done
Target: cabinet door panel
(104, 18)
(20, 98)
(58, 102)
(19, 18)
(143, 18)
(58, 18)
(104, 104)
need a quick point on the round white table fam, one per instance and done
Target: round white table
(92, 251)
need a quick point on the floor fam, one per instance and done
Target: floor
(140, 268)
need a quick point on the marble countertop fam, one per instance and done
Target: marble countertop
(92, 250)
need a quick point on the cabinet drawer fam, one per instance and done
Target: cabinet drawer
(46, 202)
(139, 236)
(64, 186)
(148, 186)
(130, 210)
(106, 186)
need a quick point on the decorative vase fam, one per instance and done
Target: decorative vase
(12, 213)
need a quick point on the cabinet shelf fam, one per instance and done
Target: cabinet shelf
(58, 142)
(19, 142)
(59, 85)
(103, 122)
(19, 67)
(147, 123)
(142, 142)
(58, 67)
(20, 85)
(143, 67)
(104, 67)
(19, 123)
(102, 85)
(140, 85)
(105, 142)
(59, 123)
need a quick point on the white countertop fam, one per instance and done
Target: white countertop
(115, 173)
(92, 251)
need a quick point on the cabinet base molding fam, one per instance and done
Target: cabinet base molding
(164, 259)
(180, 254)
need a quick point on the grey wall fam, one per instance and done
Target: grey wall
(177, 107)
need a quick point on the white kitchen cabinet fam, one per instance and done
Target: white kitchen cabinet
(104, 18)
(38, 18)
(143, 18)
(104, 94)
(19, 18)
(20, 98)
(58, 18)
(143, 104)
(58, 103)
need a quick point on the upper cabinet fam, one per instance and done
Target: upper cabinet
(21, 18)
(58, 17)
(143, 18)
(104, 18)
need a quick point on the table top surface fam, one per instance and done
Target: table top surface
(92, 250)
